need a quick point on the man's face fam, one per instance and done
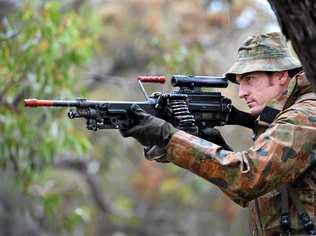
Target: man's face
(258, 88)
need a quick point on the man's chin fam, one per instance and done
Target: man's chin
(255, 112)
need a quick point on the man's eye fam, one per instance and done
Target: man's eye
(250, 78)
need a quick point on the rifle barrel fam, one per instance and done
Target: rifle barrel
(48, 103)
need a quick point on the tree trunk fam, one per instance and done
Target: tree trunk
(297, 19)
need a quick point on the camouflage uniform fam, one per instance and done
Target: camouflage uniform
(281, 154)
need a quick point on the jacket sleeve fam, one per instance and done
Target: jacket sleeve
(279, 155)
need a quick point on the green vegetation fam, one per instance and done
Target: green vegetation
(43, 60)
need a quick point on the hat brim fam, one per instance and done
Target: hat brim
(269, 64)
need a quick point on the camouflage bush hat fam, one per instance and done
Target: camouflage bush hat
(265, 52)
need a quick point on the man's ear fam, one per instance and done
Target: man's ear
(283, 77)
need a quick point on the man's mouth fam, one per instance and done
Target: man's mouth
(251, 103)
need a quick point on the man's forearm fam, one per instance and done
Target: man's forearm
(275, 158)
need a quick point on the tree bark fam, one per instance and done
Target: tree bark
(297, 19)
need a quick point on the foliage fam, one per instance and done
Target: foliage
(41, 61)
(177, 58)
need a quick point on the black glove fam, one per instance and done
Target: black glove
(214, 136)
(155, 153)
(149, 130)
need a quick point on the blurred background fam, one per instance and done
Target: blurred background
(57, 178)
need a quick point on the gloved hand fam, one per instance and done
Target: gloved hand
(213, 135)
(149, 130)
(155, 153)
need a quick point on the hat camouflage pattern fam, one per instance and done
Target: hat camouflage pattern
(265, 52)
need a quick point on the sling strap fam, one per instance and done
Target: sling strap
(287, 192)
(285, 216)
(305, 220)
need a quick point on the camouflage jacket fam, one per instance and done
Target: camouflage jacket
(281, 154)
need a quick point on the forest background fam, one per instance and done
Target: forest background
(57, 178)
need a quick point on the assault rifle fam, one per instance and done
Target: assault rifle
(187, 108)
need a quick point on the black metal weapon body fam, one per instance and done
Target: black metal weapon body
(188, 108)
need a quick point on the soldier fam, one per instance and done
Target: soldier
(276, 177)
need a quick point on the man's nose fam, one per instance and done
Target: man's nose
(242, 92)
